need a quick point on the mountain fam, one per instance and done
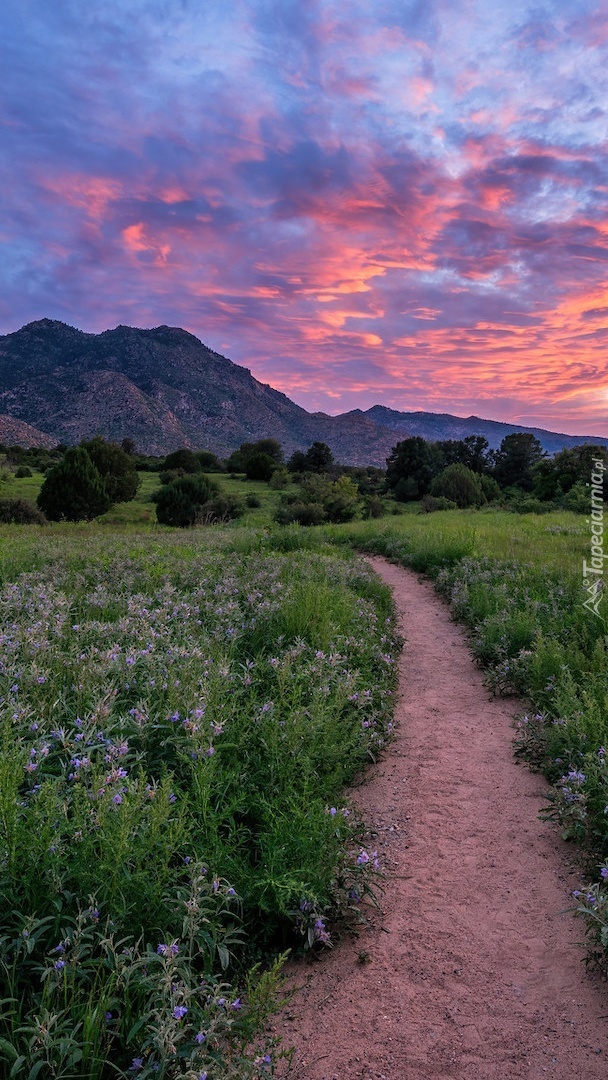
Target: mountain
(434, 426)
(164, 389)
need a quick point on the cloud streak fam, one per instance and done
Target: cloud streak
(404, 204)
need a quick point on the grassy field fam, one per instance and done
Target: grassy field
(180, 714)
(178, 723)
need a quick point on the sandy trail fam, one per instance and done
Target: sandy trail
(474, 971)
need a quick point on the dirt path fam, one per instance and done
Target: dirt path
(474, 970)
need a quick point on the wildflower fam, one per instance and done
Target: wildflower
(117, 799)
(179, 1012)
(362, 858)
(138, 1063)
(236, 1004)
(168, 950)
(200, 1038)
(604, 873)
(59, 965)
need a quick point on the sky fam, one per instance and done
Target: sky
(397, 202)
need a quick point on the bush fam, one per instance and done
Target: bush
(373, 507)
(116, 469)
(279, 479)
(194, 500)
(260, 466)
(302, 513)
(185, 460)
(253, 501)
(22, 472)
(431, 503)
(459, 484)
(74, 489)
(20, 512)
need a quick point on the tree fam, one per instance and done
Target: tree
(515, 458)
(237, 462)
(411, 466)
(183, 459)
(460, 484)
(73, 489)
(260, 466)
(554, 477)
(116, 468)
(471, 451)
(319, 458)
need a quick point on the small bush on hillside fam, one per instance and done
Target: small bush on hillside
(20, 512)
(253, 501)
(22, 472)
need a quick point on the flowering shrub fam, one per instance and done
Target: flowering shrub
(175, 722)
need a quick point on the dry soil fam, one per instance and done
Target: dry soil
(472, 968)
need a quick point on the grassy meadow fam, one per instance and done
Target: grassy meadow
(181, 712)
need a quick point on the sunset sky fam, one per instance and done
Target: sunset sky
(401, 202)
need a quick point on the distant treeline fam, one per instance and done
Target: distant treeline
(82, 482)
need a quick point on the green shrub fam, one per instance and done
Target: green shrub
(73, 489)
(429, 504)
(460, 485)
(260, 466)
(20, 512)
(301, 513)
(22, 472)
(194, 500)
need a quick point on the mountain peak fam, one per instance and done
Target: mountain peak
(165, 389)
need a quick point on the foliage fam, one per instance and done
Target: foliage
(570, 469)
(430, 504)
(187, 461)
(116, 468)
(20, 512)
(411, 466)
(260, 466)
(170, 778)
(515, 459)
(194, 500)
(473, 451)
(280, 479)
(23, 471)
(460, 485)
(321, 499)
(237, 462)
(73, 489)
(318, 458)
